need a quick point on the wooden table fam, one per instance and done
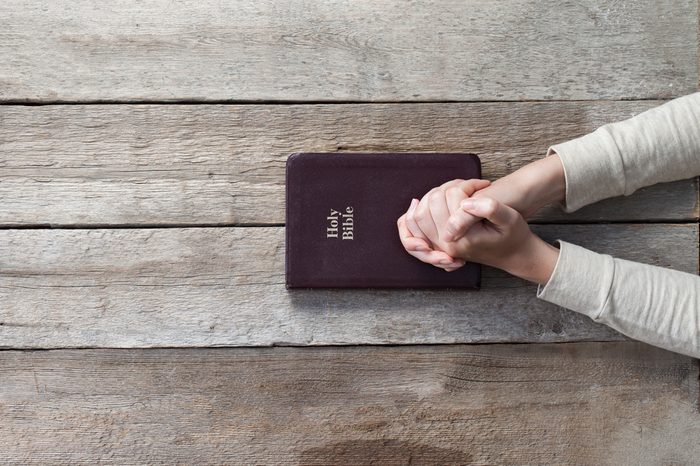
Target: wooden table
(143, 313)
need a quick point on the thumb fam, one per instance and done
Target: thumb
(473, 185)
(492, 210)
(458, 224)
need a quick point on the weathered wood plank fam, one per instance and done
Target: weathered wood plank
(204, 50)
(575, 403)
(225, 287)
(214, 164)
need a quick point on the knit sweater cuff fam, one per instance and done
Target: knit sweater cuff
(593, 169)
(581, 280)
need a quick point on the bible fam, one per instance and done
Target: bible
(341, 215)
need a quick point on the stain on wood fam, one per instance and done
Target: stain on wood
(576, 403)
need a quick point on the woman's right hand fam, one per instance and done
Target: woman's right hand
(526, 190)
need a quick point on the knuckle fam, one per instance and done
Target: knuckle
(489, 205)
(419, 215)
(454, 224)
(434, 196)
(453, 191)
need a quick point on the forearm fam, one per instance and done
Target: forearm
(659, 145)
(653, 304)
(530, 187)
(534, 262)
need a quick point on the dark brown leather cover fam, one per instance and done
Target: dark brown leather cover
(379, 188)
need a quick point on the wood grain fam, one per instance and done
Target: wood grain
(71, 165)
(614, 402)
(225, 287)
(321, 50)
(577, 403)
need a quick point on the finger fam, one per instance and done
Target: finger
(479, 183)
(408, 238)
(454, 197)
(438, 210)
(456, 190)
(451, 183)
(458, 224)
(410, 242)
(460, 221)
(451, 268)
(424, 219)
(495, 212)
(473, 185)
(424, 251)
(412, 225)
(442, 260)
(429, 256)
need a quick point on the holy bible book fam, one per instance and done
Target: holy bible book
(341, 213)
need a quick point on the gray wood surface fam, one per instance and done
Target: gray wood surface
(70, 165)
(502, 79)
(330, 50)
(579, 403)
(225, 287)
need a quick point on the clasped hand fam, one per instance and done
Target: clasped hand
(477, 221)
(448, 227)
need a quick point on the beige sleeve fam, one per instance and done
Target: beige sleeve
(661, 144)
(652, 304)
(648, 303)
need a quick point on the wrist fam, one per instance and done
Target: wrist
(511, 190)
(541, 182)
(535, 261)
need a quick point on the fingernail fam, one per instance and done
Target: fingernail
(413, 203)
(445, 261)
